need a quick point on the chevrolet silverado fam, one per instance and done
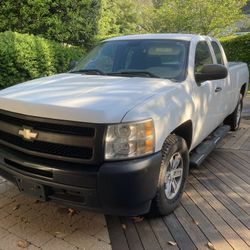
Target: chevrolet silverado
(118, 132)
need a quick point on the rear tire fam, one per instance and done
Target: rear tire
(234, 119)
(173, 174)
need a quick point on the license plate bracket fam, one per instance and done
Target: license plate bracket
(31, 188)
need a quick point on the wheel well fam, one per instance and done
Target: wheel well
(243, 89)
(185, 131)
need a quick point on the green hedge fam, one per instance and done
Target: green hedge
(24, 57)
(237, 48)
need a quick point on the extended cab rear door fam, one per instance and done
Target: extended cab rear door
(222, 86)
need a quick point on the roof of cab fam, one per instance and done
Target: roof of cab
(185, 37)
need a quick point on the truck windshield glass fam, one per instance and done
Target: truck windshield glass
(144, 58)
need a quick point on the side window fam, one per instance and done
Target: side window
(217, 53)
(202, 56)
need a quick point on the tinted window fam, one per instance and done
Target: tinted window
(202, 56)
(217, 53)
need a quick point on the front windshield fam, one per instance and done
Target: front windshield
(147, 58)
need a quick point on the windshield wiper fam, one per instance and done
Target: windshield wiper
(134, 73)
(89, 71)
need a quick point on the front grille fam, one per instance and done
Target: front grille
(47, 148)
(49, 127)
(57, 139)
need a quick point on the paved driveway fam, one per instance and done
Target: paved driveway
(28, 224)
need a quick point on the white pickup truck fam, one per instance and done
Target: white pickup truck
(118, 132)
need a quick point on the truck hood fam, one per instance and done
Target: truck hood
(84, 98)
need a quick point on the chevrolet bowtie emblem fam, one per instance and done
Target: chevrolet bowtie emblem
(28, 134)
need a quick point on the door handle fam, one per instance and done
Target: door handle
(218, 89)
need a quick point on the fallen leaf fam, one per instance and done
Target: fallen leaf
(124, 226)
(23, 243)
(24, 220)
(71, 212)
(211, 246)
(60, 235)
(196, 222)
(16, 207)
(36, 201)
(137, 219)
(172, 243)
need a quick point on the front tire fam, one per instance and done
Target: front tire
(173, 174)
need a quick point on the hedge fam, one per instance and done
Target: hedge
(237, 48)
(24, 57)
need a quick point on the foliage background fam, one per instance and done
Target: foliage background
(78, 22)
(67, 21)
(24, 57)
(73, 26)
(197, 16)
(237, 48)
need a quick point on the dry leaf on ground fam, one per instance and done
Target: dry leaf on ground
(137, 219)
(211, 246)
(172, 243)
(195, 222)
(60, 235)
(71, 212)
(16, 207)
(23, 243)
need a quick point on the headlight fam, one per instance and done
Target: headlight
(127, 140)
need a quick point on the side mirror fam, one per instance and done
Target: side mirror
(72, 64)
(211, 72)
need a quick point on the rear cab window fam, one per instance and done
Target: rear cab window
(217, 52)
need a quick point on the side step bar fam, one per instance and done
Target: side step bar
(199, 154)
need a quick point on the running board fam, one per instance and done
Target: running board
(199, 154)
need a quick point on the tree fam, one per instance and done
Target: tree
(196, 16)
(67, 21)
(107, 19)
(158, 3)
(118, 17)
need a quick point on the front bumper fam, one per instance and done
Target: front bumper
(118, 188)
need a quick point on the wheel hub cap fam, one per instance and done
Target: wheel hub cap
(174, 175)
